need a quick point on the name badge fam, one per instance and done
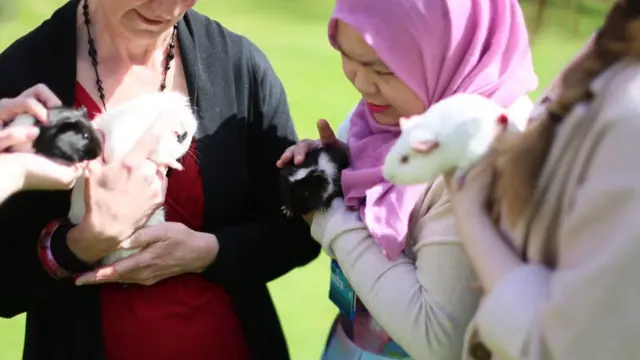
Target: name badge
(341, 293)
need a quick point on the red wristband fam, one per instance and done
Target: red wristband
(44, 252)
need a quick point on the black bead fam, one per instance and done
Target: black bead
(93, 54)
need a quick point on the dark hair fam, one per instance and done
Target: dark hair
(522, 156)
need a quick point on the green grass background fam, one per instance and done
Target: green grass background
(293, 35)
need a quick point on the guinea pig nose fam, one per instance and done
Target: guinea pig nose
(404, 159)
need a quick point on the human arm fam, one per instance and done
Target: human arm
(268, 244)
(23, 216)
(424, 305)
(586, 306)
(10, 179)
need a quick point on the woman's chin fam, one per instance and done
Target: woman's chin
(388, 120)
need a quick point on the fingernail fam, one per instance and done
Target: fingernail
(33, 131)
(125, 244)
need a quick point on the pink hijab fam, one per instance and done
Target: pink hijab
(437, 48)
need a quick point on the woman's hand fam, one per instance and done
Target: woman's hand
(470, 191)
(298, 151)
(485, 245)
(33, 101)
(168, 249)
(30, 171)
(119, 198)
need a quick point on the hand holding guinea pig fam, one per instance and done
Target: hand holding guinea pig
(298, 151)
(29, 171)
(119, 198)
(320, 183)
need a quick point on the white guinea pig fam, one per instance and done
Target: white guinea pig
(452, 134)
(123, 126)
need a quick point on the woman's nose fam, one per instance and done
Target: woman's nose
(169, 7)
(364, 82)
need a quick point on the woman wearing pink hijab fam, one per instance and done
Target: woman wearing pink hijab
(400, 277)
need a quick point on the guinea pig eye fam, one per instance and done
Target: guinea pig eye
(181, 137)
(404, 159)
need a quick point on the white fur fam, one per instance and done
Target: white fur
(122, 128)
(463, 125)
(325, 164)
(329, 167)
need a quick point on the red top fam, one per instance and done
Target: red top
(183, 317)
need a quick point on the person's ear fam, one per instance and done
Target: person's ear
(424, 146)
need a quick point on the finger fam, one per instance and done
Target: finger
(10, 108)
(44, 174)
(17, 135)
(144, 237)
(165, 186)
(125, 267)
(99, 276)
(327, 136)
(43, 94)
(448, 179)
(117, 271)
(301, 149)
(286, 157)
(94, 167)
(146, 145)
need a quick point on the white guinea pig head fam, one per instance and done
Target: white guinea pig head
(180, 130)
(171, 111)
(412, 159)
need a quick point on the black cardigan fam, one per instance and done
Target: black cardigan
(244, 127)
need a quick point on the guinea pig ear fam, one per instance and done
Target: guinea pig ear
(503, 120)
(83, 111)
(424, 146)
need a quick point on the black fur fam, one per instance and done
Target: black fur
(68, 136)
(309, 193)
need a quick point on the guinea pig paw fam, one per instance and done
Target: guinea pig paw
(286, 211)
(175, 165)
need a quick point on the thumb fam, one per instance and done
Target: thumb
(92, 178)
(17, 135)
(327, 136)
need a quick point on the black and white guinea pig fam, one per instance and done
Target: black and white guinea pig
(312, 185)
(68, 136)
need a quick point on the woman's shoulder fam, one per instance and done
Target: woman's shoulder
(607, 130)
(618, 90)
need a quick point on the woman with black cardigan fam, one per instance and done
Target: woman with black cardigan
(198, 289)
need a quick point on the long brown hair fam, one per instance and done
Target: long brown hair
(522, 156)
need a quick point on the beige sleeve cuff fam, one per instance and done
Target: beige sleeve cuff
(508, 314)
